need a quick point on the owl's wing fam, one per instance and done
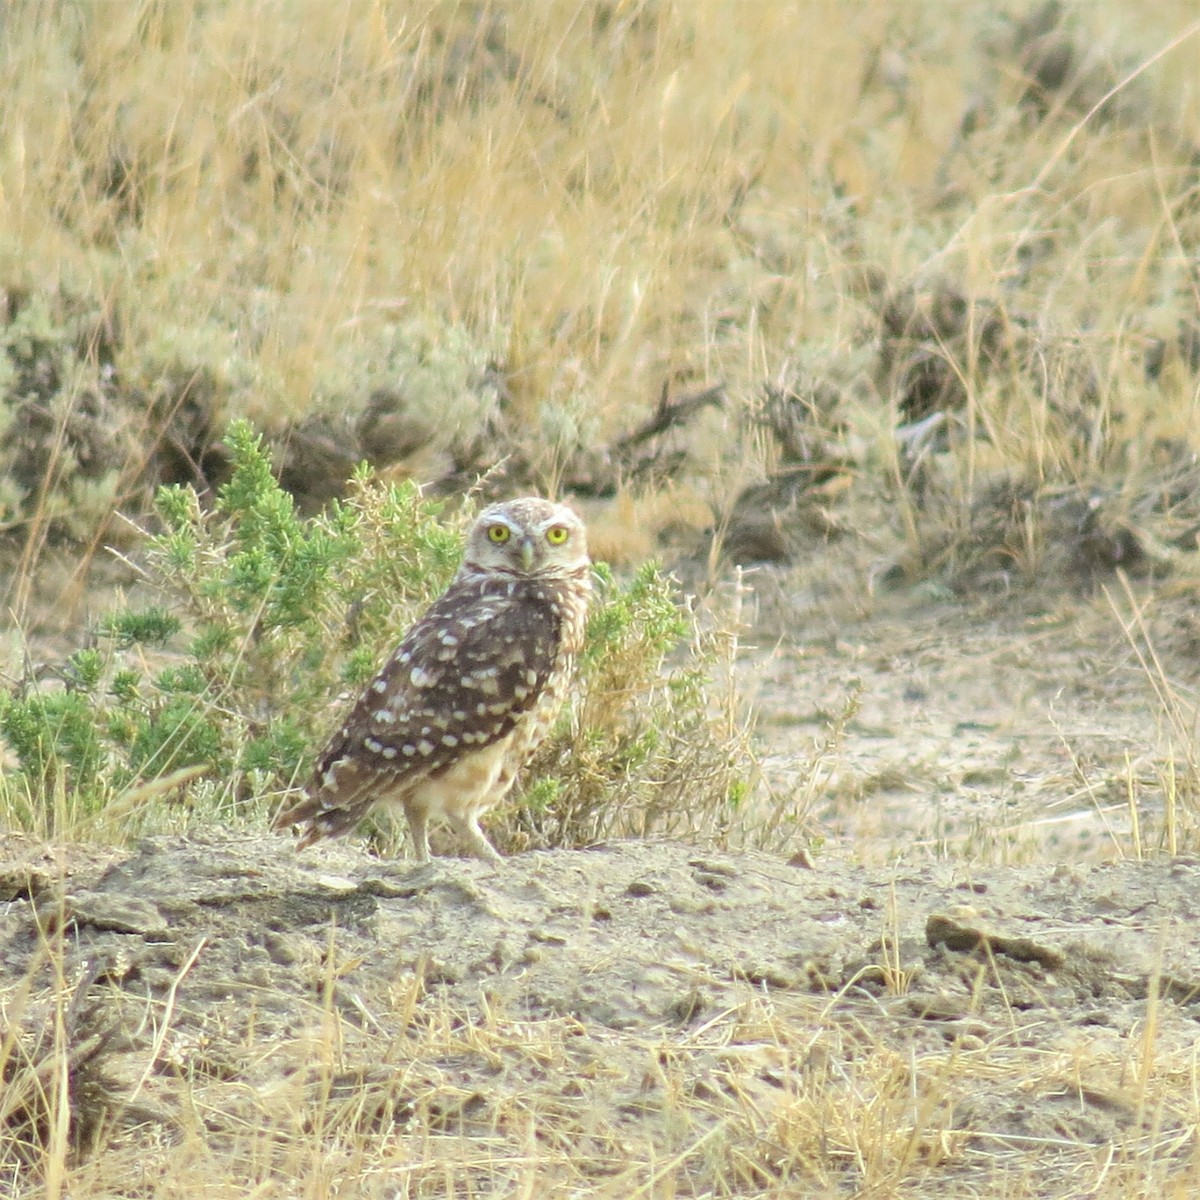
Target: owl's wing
(459, 681)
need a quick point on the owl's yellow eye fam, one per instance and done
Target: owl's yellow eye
(556, 535)
(498, 534)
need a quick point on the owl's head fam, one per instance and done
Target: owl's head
(529, 536)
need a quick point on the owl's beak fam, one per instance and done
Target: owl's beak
(526, 553)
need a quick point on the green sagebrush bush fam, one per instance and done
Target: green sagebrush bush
(215, 699)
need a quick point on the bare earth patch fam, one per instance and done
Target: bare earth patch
(1002, 736)
(970, 970)
(633, 1019)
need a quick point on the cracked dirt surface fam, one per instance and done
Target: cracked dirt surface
(634, 1002)
(979, 978)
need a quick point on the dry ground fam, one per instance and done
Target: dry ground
(965, 974)
(634, 1019)
(1045, 728)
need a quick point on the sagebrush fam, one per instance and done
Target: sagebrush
(215, 697)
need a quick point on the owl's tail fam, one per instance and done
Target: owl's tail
(320, 815)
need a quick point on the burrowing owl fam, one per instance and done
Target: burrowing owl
(472, 689)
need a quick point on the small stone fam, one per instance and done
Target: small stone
(104, 910)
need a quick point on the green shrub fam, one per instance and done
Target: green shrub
(265, 624)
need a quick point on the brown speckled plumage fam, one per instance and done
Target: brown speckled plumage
(467, 696)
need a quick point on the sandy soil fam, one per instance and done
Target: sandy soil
(630, 1001)
(959, 988)
(1035, 727)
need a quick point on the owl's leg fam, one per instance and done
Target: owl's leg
(418, 831)
(468, 828)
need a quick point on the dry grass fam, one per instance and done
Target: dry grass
(296, 201)
(601, 198)
(851, 1092)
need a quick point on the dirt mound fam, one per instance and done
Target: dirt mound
(625, 1013)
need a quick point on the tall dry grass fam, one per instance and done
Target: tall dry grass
(263, 183)
(600, 197)
(604, 196)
